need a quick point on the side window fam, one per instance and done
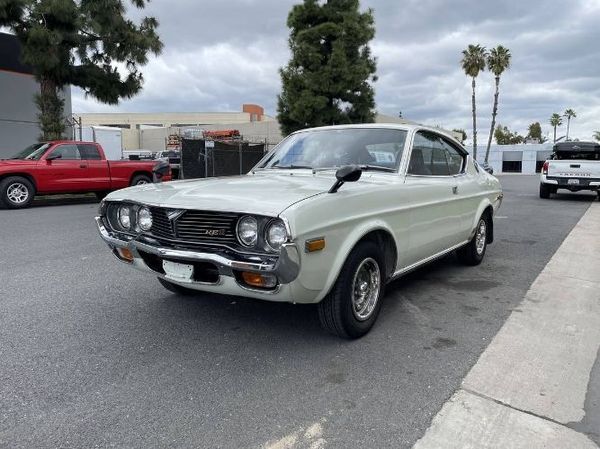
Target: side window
(89, 152)
(422, 154)
(456, 159)
(67, 152)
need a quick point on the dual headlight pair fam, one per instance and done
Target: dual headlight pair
(248, 232)
(132, 217)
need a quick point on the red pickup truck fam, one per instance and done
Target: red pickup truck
(66, 166)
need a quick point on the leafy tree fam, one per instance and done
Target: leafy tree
(498, 60)
(473, 62)
(462, 132)
(555, 120)
(328, 78)
(85, 43)
(534, 131)
(505, 136)
(597, 135)
(569, 113)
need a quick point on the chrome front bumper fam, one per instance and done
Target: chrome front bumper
(285, 266)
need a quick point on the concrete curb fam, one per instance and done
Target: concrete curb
(533, 378)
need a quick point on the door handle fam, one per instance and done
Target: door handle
(455, 190)
(82, 166)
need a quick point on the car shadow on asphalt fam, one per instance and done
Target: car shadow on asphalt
(63, 200)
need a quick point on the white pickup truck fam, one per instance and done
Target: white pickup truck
(573, 166)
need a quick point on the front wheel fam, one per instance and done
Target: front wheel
(472, 253)
(351, 307)
(16, 192)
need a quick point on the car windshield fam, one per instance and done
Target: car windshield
(32, 152)
(372, 148)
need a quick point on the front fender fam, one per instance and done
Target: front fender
(321, 269)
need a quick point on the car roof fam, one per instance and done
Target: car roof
(400, 126)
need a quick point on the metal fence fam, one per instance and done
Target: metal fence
(207, 158)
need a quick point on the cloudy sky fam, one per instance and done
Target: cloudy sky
(220, 54)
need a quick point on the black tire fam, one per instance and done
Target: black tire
(337, 312)
(141, 179)
(8, 197)
(472, 253)
(545, 191)
(100, 195)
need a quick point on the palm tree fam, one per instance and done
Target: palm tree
(472, 63)
(555, 120)
(597, 135)
(498, 60)
(569, 113)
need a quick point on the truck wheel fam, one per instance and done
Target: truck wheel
(545, 191)
(351, 307)
(176, 288)
(472, 253)
(140, 179)
(16, 192)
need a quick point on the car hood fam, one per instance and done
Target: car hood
(262, 194)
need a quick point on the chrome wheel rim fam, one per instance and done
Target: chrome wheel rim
(480, 237)
(140, 182)
(365, 289)
(17, 193)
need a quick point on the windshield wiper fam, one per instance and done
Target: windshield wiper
(376, 168)
(292, 166)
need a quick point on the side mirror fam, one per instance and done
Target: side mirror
(489, 169)
(160, 170)
(54, 156)
(347, 173)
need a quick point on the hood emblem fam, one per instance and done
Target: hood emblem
(174, 214)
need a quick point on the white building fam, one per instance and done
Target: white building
(522, 158)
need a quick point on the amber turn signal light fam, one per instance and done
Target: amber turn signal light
(314, 245)
(259, 280)
(125, 254)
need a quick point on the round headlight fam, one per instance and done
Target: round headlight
(144, 219)
(124, 215)
(247, 231)
(276, 235)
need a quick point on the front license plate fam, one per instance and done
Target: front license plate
(179, 271)
(573, 181)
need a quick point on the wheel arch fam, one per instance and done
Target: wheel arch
(485, 209)
(138, 173)
(25, 175)
(381, 234)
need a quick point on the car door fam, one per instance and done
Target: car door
(63, 169)
(98, 171)
(435, 219)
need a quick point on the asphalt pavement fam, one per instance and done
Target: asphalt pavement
(93, 354)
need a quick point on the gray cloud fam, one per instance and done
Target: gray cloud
(219, 54)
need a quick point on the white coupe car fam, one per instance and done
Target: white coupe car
(329, 216)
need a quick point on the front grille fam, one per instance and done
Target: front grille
(194, 226)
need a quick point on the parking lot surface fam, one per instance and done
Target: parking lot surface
(96, 355)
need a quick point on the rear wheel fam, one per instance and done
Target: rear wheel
(472, 253)
(176, 288)
(351, 307)
(545, 191)
(16, 192)
(138, 180)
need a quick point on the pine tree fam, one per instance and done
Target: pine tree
(328, 78)
(84, 43)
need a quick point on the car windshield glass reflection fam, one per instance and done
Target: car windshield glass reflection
(32, 152)
(372, 148)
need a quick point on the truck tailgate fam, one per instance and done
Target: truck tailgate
(574, 169)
